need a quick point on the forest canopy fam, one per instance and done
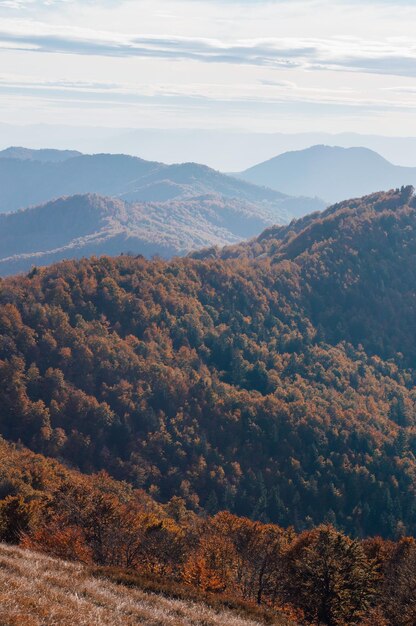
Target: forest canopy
(275, 379)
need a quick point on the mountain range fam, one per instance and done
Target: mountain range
(226, 149)
(198, 434)
(44, 155)
(32, 181)
(274, 379)
(85, 225)
(149, 208)
(331, 173)
(292, 181)
(114, 204)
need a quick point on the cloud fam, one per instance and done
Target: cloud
(402, 89)
(263, 95)
(180, 48)
(24, 4)
(342, 54)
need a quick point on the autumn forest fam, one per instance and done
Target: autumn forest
(237, 426)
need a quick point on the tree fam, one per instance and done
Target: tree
(399, 592)
(329, 577)
(15, 518)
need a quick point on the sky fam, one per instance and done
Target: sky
(250, 65)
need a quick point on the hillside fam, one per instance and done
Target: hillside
(43, 155)
(36, 590)
(165, 557)
(27, 182)
(86, 225)
(280, 387)
(331, 173)
(355, 263)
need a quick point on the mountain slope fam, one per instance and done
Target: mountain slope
(43, 155)
(331, 173)
(280, 387)
(40, 591)
(356, 267)
(224, 567)
(92, 225)
(25, 182)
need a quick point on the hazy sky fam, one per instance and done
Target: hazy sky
(328, 65)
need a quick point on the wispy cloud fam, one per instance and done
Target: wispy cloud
(265, 94)
(24, 4)
(268, 63)
(343, 54)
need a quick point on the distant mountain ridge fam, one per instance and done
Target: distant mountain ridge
(46, 155)
(331, 173)
(89, 224)
(85, 205)
(27, 182)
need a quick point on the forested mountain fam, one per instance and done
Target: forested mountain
(26, 182)
(331, 173)
(44, 155)
(84, 225)
(278, 384)
(355, 262)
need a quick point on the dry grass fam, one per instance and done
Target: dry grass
(37, 590)
(169, 588)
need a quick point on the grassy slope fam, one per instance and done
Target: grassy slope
(37, 590)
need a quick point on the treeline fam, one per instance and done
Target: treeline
(319, 576)
(278, 387)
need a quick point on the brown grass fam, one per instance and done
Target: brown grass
(36, 590)
(180, 591)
